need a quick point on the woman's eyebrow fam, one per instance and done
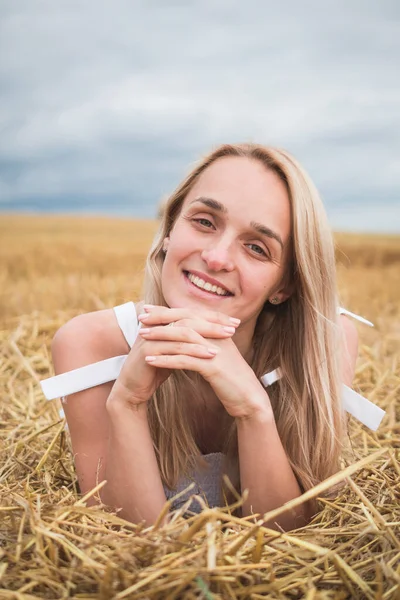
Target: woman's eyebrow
(263, 230)
(211, 203)
(258, 227)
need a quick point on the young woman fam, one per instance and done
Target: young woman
(240, 281)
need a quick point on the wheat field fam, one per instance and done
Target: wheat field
(53, 546)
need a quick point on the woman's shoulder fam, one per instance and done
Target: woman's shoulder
(350, 349)
(87, 338)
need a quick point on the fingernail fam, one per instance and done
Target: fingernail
(144, 330)
(212, 351)
(150, 358)
(229, 329)
(142, 317)
(234, 320)
(148, 307)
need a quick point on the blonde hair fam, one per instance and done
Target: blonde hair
(301, 336)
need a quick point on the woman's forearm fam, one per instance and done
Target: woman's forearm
(265, 470)
(133, 478)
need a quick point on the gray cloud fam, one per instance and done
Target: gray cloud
(110, 103)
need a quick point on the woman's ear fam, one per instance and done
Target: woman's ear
(284, 292)
(282, 295)
(165, 244)
(288, 284)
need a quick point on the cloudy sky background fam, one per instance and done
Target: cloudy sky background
(104, 106)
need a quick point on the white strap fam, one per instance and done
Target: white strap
(364, 410)
(99, 372)
(83, 378)
(271, 377)
(359, 407)
(127, 320)
(343, 311)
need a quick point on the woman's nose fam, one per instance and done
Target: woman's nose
(218, 257)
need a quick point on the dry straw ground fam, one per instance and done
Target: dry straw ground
(52, 546)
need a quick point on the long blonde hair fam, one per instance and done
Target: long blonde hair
(301, 336)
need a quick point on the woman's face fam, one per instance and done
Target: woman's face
(229, 246)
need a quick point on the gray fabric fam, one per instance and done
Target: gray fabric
(207, 484)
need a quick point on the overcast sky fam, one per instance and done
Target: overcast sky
(104, 106)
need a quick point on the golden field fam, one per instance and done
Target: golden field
(53, 546)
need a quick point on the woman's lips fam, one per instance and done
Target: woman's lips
(203, 292)
(207, 279)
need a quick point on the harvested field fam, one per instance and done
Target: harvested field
(53, 546)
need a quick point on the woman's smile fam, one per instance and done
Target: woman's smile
(206, 285)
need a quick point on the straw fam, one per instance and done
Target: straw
(53, 545)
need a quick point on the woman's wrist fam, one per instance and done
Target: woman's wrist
(121, 402)
(257, 409)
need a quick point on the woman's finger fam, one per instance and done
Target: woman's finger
(190, 363)
(188, 330)
(163, 348)
(161, 315)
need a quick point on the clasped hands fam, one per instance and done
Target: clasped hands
(200, 341)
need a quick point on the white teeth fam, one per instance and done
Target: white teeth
(200, 283)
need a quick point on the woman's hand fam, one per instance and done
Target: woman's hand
(225, 369)
(138, 379)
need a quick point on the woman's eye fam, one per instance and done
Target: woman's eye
(204, 222)
(257, 249)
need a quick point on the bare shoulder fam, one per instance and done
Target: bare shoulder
(87, 338)
(350, 349)
(350, 332)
